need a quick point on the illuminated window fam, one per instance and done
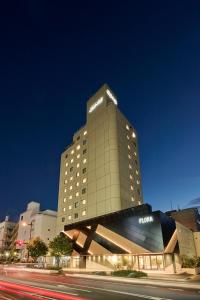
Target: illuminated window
(85, 160)
(71, 169)
(129, 147)
(72, 152)
(65, 172)
(131, 187)
(138, 182)
(66, 164)
(65, 181)
(70, 187)
(72, 160)
(77, 174)
(84, 201)
(65, 190)
(83, 212)
(78, 165)
(76, 216)
(132, 199)
(78, 147)
(84, 170)
(84, 142)
(77, 184)
(64, 209)
(135, 153)
(70, 217)
(127, 127)
(131, 177)
(84, 180)
(71, 178)
(64, 200)
(129, 156)
(134, 135)
(76, 204)
(130, 167)
(84, 191)
(70, 197)
(137, 172)
(70, 206)
(127, 137)
(84, 151)
(77, 194)
(78, 156)
(85, 132)
(139, 202)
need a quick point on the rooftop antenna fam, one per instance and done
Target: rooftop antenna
(171, 204)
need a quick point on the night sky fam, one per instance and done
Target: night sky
(55, 54)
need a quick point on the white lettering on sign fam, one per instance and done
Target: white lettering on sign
(94, 106)
(145, 220)
(110, 95)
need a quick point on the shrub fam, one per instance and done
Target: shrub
(102, 273)
(188, 262)
(129, 273)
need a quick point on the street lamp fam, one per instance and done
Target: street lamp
(31, 226)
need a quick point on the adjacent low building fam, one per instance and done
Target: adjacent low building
(35, 223)
(6, 233)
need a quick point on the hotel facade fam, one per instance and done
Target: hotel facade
(100, 170)
(100, 203)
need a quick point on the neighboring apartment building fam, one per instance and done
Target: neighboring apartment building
(6, 233)
(35, 223)
(100, 170)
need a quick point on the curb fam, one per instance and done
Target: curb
(142, 281)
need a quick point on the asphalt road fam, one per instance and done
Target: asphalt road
(24, 285)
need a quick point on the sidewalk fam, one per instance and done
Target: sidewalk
(167, 282)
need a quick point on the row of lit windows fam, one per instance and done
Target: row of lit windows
(83, 201)
(75, 216)
(77, 193)
(77, 175)
(72, 160)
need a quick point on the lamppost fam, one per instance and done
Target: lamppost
(31, 226)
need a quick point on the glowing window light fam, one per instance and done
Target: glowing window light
(64, 209)
(138, 182)
(84, 180)
(127, 137)
(110, 95)
(71, 187)
(129, 147)
(131, 187)
(85, 132)
(95, 105)
(133, 135)
(64, 200)
(131, 177)
(65, 190)
(83, 212)
(130, 167)
(78, 156)
(72, 160)
(70, 217)
(84, 201)
(66, 164)
(85, 160)
(71, 178)
(70, 197)
(65, 172)
(127, 127)
(65, 181)
(78, 165)
(135, 153)
(70, 206)
(77, 184)
(132, 199)
(78, 147)
(137, 172)
(77, 194)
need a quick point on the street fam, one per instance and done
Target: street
(24, 285)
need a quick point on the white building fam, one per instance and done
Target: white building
(6, 231)
(35, 223)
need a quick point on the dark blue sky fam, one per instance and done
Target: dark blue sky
(55, 54)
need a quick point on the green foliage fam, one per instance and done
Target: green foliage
(129, 273)
(190, 262)
(37, 248)
(197, 262)
(60, 246)
(102, 273)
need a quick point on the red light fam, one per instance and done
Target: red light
(19, 243)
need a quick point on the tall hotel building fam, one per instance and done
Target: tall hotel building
(100, 170)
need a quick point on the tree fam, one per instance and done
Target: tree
(60, 246)
(36, 248)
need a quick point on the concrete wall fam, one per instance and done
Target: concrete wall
(196, 236)
(185, 240)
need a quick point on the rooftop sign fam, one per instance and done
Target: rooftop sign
(145, 220)
(94, 106)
